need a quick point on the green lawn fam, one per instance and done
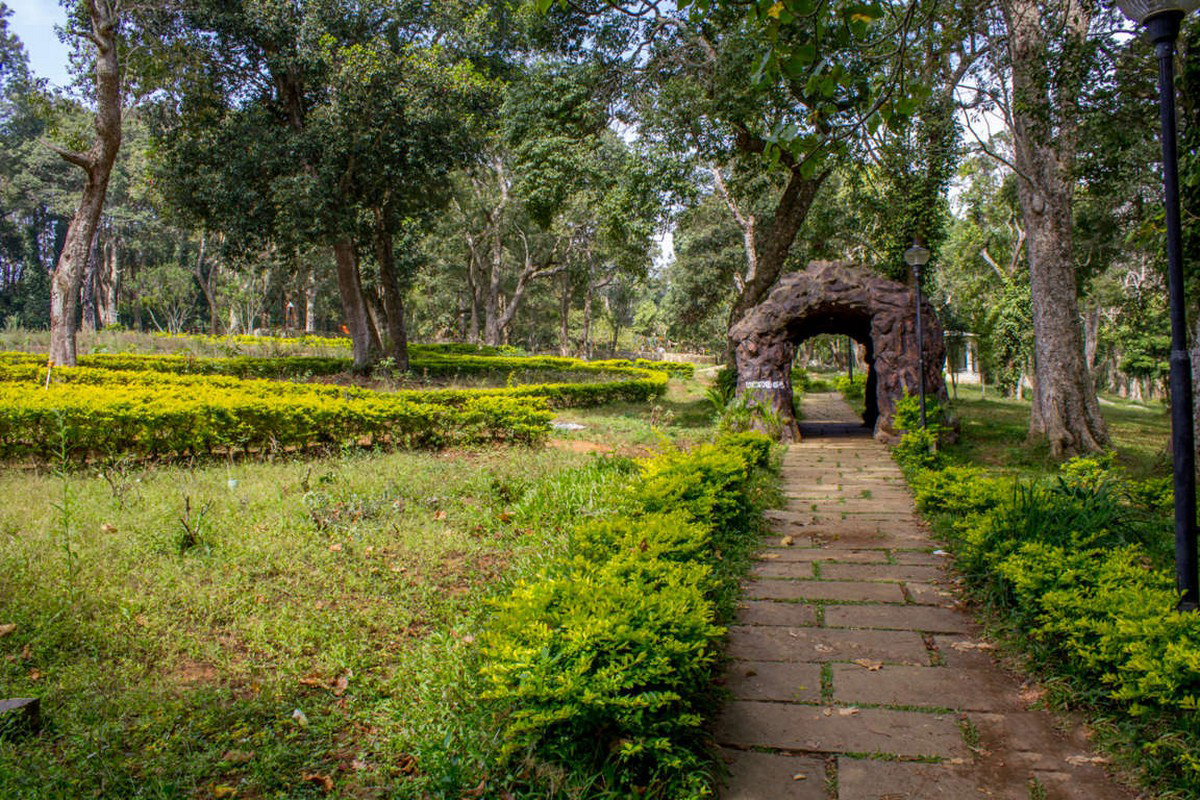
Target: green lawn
(254, 629)
(994, 433)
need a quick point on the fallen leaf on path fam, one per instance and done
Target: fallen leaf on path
(1080, 760)
(965, 646)
(847, 712)
(787, 541)
(823, 648)
(769, 556)
(868, 664)
(799, 776)
(324, 781)
(1032, 695)
(827, 712)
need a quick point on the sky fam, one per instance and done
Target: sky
(33, 21)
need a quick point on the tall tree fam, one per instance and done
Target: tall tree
(1044, 57)
(97, 21)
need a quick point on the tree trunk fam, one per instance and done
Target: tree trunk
(354, 305)
(97, 165)
(108, 284)
(564, 313)
(766, 250)
(206, 285)
(393, 300)
(585, 342)
(310, 299)
(87, 317)
(473, 290)
(1065, 411)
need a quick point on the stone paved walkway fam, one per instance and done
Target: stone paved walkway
(854, 674)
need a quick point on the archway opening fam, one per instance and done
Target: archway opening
(840, 321)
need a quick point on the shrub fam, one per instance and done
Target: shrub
(918, 445)
(190, 419)
(1077, 564)
(604, 659)
(854, 389)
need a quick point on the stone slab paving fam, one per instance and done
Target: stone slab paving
(854, 675)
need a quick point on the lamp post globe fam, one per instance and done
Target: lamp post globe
(917, 257)
(1162, 19)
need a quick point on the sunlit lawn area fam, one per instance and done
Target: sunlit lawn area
(275, 629)
(994, 433)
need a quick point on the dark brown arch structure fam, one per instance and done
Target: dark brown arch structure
(840, 298)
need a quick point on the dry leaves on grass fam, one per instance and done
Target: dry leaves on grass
(439, 515)
(323, 781)
(7, 628)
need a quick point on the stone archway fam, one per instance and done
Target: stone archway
(840, 298)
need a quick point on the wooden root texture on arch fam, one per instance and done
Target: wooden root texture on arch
(844, 299)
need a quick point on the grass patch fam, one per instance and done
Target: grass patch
(349, 589)
(994, 434)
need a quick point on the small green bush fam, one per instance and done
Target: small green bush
(604, 659)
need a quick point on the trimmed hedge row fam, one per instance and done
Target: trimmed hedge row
(417, 353)
(1078, 566)
(190, 419)
(603, 660)
(632, 385)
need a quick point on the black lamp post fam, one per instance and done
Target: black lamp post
(916, 257)
(1162, 19)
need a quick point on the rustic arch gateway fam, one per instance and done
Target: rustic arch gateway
(840, 298)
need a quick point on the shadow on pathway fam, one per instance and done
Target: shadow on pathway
(854, 674)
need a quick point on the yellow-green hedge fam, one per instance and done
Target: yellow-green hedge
(189, 419)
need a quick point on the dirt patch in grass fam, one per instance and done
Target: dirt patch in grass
(579, 446)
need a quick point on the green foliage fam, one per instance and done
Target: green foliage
(174, 406)
(1078, 564)
(918, 446)
(852, 388)
(603, 659)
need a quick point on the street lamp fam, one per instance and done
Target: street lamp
(916, 257)
(1162, 19)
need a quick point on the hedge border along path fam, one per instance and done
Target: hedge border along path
(179, 406)
(603, 661)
